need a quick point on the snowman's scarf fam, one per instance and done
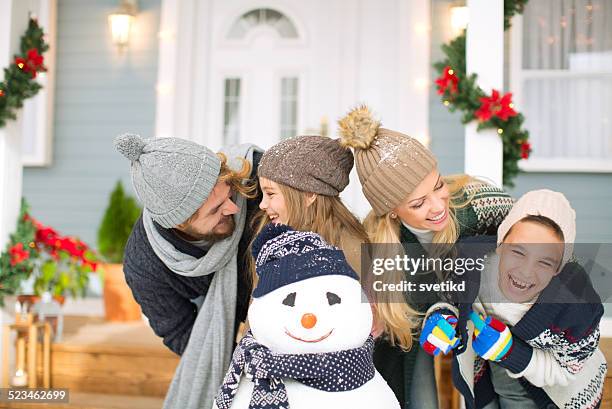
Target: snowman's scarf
(331, 372)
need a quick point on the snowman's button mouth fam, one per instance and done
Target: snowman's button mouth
(309, 340)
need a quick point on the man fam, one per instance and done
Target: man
(189, 247)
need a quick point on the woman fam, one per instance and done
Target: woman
(415, 207)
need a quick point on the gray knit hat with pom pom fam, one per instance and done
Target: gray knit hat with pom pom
(390, 164)
(172, 177)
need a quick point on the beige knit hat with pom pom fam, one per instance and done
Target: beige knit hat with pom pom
(390, 165)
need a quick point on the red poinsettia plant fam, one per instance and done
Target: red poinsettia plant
(58, 264)
(64, 262)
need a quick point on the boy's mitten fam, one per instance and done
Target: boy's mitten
(492, 339)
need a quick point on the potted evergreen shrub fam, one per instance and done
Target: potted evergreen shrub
(119, 218)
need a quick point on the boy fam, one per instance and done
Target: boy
(531, 348)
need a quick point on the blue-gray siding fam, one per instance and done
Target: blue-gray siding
(99, 94)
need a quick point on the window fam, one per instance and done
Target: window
(231, 111)
(288, 107)
(562, 77)
(258, 17)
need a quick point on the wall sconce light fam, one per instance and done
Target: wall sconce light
(459, 15)
(120, 22)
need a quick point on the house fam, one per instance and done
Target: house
(235, 71)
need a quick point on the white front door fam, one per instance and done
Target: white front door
(258, 85)
(341, 53)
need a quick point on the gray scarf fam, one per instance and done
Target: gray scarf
(208, 353)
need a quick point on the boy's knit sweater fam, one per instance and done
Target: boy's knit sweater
(555, 352)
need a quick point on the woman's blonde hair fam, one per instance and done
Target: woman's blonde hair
(326, 216)
(399, 319)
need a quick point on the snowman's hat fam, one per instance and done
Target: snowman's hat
(284, 256)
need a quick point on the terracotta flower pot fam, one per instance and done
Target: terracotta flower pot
(31, 299)
(119, 303)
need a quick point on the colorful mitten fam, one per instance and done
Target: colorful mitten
(492, 339)
(439, 334)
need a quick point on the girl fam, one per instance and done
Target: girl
(301, 179)
(414, 206)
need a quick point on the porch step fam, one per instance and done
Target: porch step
(82, 400)
(98, 357)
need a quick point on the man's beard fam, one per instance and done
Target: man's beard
(213, 237)
(190, 233)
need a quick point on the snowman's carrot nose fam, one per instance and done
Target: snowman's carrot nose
(309, 320)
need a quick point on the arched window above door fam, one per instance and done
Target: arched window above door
(263, 17)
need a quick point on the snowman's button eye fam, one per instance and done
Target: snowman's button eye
(289, 300)
(333, 299)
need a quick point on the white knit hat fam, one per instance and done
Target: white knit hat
(547, 203)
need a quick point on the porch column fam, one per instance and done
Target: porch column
(485, 57)
(178, 114)
(13, 23)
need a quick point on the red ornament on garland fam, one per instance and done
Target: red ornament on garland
(448, 78)
(33, 63)
(503, 108)
(525, 150)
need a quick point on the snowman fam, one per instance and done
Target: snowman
(309, 345)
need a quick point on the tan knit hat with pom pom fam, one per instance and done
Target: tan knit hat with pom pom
(390, 165)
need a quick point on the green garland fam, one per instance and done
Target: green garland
(19, 78)
(494, 111)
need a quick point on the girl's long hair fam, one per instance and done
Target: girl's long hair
(326, 216)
